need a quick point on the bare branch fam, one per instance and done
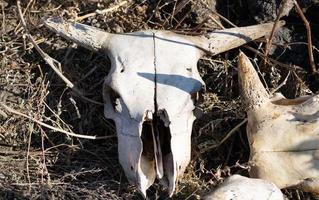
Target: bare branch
(284, 9)
(11, 110)
(307, 25)
(54, 64)
(100, 12)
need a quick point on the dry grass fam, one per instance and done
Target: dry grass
(40, 163)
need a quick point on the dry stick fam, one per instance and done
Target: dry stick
(23, 14)
(216, 22)
(173, 13)
(100, 12)
(269, 41)
(219, 15)
(281, 84)
(11, 110)
(57, 116)
(310, 53)
(272, 60)
(231, 132)
(180, 5)
(27, 159)
(3, 18)
(54, 64)
(42, 155)
(224, 18)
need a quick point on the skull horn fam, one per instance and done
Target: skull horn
(222, 40)
(87, 36)
(253, 91)
(214, 43)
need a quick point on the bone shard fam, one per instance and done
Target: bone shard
(283, 133)
(148, 92)
(239, 187)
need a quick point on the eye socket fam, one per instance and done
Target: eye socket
(114, 97)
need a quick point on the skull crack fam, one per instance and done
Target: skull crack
(156, 134)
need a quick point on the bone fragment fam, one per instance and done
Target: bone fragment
(239, 187)
(283, 133)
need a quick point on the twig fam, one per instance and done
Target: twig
(3, 114)
(119, 188)
(192, 194)
(281, 84)
(269, 41)
(49, 10)
(54, 64)
(216, 22)
(57, 116)
(261, 74)
(23, 14)
(42, 155)
(182, 20)
(180, 5)
(219, 15)
(224, 18)
(27, 158)
(11, 110)
(307, 25)
(272, 60)
(100, 12)
(230, 133)
(3, 19)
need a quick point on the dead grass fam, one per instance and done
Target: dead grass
(40, 163)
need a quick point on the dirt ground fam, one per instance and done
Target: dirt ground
(41, 163)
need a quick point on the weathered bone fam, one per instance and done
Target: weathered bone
(283, 134)
(87, 36)
(223, 40)
(214, 43)
(239, 187)
(148, 92)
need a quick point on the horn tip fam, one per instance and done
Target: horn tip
(252, 89)
(243, 62)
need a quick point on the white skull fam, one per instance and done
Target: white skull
(282, 133)
(150, 101)
(148, 92)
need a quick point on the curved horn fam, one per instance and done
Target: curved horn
(223, 40)
(252, 89)
(87, 36)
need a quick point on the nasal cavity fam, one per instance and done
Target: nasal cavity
(162, 129)
(156, 138)
(147, 140)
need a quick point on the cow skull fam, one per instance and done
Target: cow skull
(149, 90)
(282, 133)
